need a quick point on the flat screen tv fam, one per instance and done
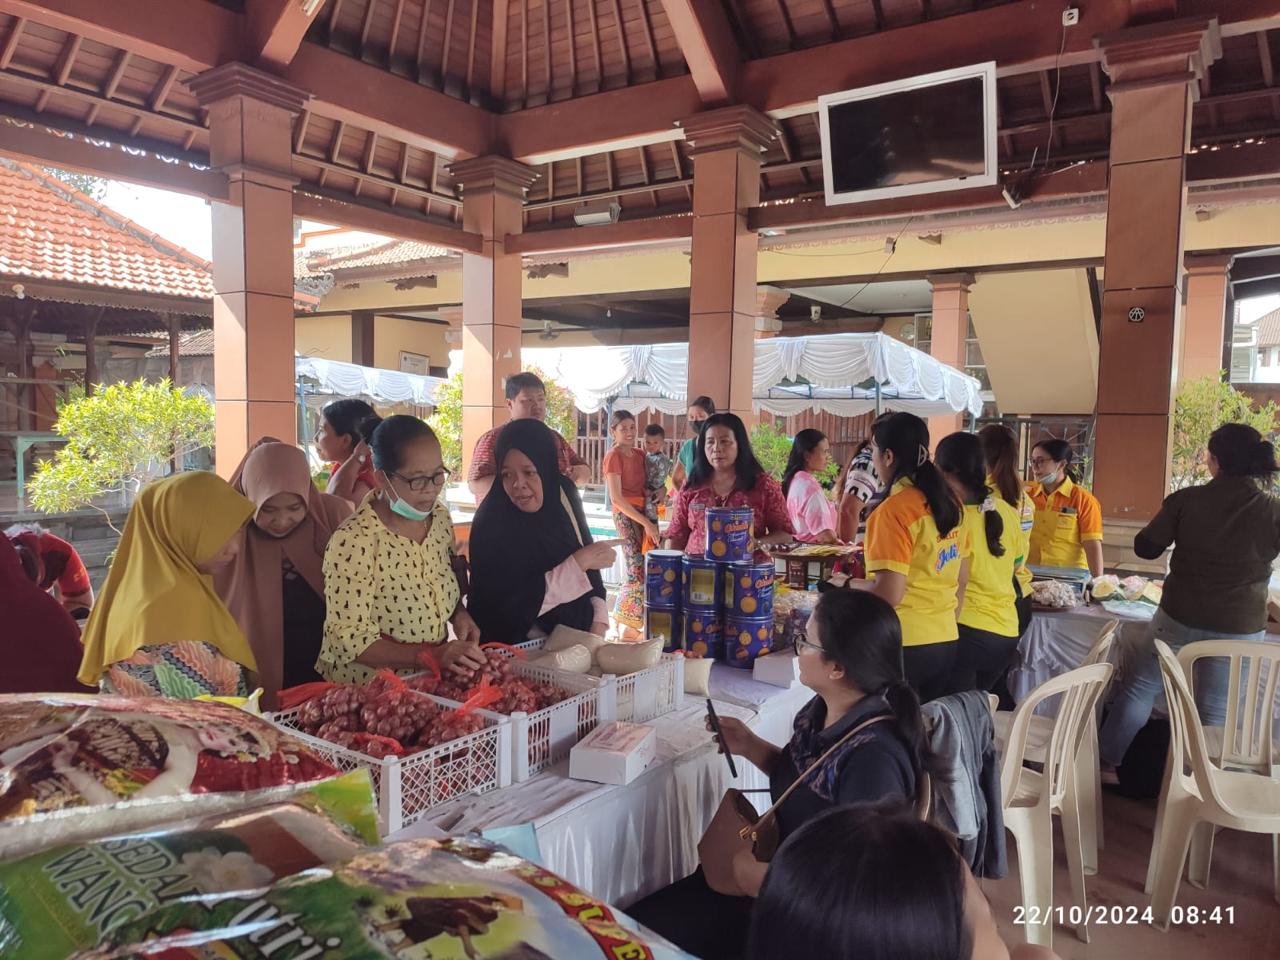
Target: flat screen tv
(925, 134)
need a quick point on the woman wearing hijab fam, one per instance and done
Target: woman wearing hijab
(159, 629)
(283, 545)
(40, 643)
(533, 564)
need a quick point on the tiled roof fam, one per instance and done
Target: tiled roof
(386, 253)
(196, 344)
(1268, 327)
(50, 231)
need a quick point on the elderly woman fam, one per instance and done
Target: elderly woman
(159, 628)
(389, 584)
(533, 564)
(275, 586)
(726, 473)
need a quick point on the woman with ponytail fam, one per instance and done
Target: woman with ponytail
(1067, 529)
(1000, 451)
(1227, 536)
(851, 658)
(988, 623)
(917, 550)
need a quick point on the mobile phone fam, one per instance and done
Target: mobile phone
(715, 725)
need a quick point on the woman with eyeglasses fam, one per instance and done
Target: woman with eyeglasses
(389, 583)
(851, 658)
(533, 564)
(1067, 530)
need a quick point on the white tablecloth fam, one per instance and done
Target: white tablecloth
(1058, 641)
(621, 843)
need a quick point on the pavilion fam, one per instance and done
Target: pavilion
(479, 126)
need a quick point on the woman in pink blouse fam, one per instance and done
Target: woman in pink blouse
(813, 515)
(727, 474)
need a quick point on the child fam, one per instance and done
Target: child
(658, 468)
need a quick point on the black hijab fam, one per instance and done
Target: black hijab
(513, 551)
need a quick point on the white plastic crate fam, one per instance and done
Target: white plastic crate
(641, 696)
(409, 787)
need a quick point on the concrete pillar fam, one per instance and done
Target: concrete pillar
(1205, 323)
(1154, 73)
(250, 128)
(950, 330)
(726, 147)
(493, 190)
(769, 301)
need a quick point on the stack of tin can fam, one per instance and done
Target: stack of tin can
(725, 600)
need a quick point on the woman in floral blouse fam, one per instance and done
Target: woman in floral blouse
(389, 582)
(727, 474)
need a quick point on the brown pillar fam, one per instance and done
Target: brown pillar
(726, 147)
(21, 330)
(91, 376)
(1205, 325)
(250, 127)
(362, 337)
(1154, 71)
(950, 330)
(175, 351)
(493, 190)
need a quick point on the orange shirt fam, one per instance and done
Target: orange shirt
(902, 537)
(1065, 521)
(630, 467)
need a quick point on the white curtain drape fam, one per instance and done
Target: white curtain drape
(350, 379)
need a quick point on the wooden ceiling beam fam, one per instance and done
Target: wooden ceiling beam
(274, 30)
(708, 45)
(312, 205)
(628, 233)
(11, 41)
(498, 52)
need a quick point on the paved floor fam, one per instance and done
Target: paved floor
(1241, 878)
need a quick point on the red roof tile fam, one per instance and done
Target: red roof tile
(50, 231)
(1268, 327)
(383, 253)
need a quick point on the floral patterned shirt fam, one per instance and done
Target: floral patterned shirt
(688, 521)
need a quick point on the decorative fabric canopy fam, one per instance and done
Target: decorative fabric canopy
(836, 373)
(353, 380)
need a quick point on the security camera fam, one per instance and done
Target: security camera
(815, 313)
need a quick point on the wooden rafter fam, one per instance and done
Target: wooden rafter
(371, 7)
(395, 32)
(162, 89)
(1264, 59)
(708, 45)
(644, 173)
(648, 38)
(335, 144)
(546, 43)
(67, 59)
(498, 51)
(1095, 85)
(93, 97)
(573, 52)
(356, 173)
(832, 20)
(11, 41)
(785, 14)
(524, 51)
(300, 130)
(595, 43)
(274, 29)
(447, 41)
(421, 56)
(334, 12)
(551, 190)
(471, 46)
(621, 32)
(116, 75)
(878, 12)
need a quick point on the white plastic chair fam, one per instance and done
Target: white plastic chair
(1031, 798)
(1197, 792)
(1089, 772)
(1245, 742)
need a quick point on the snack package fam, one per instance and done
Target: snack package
(455, 899)
(58, 901)
(77, 767)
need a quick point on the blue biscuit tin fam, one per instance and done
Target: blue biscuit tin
(703, 633)
(729, 533)
(663, 578)
(748, 589)
(664, 622)
(746, 638)
(703, 582)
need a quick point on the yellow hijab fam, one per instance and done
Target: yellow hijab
(154, 593)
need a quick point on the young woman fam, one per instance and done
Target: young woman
(390, 588)
(345, 426)
(727, 474)
(275, 586)
(1000, 451)
(874, 882)
(851, 658)
(533, 565)
(699, 411)
(624, 474)
(1227, 536)
(1067, 530)
(917, 550)
(35, 620)
(988, 623)
(813, 515)
(159, 628)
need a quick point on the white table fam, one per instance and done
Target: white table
(1058, 641)
(621, 843)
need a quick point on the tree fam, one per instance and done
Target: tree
(773, 448)
(1201, 407)
(117, 440)
(93, 187)
(562, 415)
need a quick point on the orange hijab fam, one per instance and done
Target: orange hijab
(251, 584)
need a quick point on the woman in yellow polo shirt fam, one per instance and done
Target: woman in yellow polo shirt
(917, 549)
(1067, 531)
(988, 621)
(1004, 476)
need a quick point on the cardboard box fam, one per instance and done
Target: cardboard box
(781, 669)
(614, 752)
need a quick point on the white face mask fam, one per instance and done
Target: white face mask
(1047, 478)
